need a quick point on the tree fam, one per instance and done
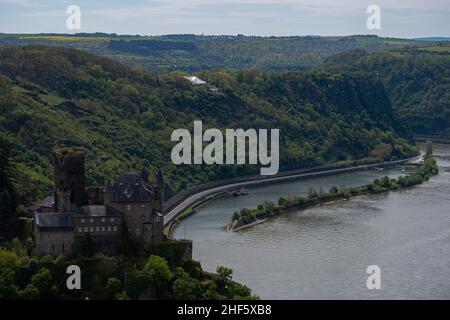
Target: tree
(87, 246)
(386, 182)
(8, 290)
(8, 195)
(43, 281)
(238, 290)
(158, 273)
(429, 150)
(8, 259)
(129, 244)
(113, 288)
(186, 288)
(29, 293)
(334, 190)
(229, 288)
(282, 201)
(225, 277)
(210, 291)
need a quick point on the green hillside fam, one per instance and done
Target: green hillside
(416, 80)
(53, 97)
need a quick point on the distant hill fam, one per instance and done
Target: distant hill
(433, 39)
(54, 97)
(194, 53)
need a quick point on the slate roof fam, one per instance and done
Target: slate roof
(64, 219)
(131, 188)
(54, 219)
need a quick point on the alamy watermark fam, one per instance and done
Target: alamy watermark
(236, 141)
(74, 280)
(73, 22)
(374, 20)
(374, 279)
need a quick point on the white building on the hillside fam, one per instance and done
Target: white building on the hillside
(194, 80)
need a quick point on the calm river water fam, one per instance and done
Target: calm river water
(323, 252)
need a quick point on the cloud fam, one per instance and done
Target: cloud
(229, 16)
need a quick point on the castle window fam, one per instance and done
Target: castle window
(86, 229)
(82, 220)
(109, 228)
(103, 219)
(103, 228)
(115, 228)
(138, 230)
(142, 218)
(112, 220)
(92, 229)
(128, 207)
(91, 220)
(97, 229)
(80, 229)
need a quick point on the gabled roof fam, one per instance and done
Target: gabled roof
(130, 187)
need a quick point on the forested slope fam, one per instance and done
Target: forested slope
(53, 97)
(416, 80)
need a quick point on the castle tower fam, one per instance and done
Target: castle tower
(69, 179)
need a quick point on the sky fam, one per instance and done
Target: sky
(399, 18)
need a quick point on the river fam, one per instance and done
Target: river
(323, 252)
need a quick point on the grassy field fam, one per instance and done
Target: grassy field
(64, 38)
(437, 49)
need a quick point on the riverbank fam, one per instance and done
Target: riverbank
(264, 212)
(178, 207)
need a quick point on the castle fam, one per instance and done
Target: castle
(78, 210)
